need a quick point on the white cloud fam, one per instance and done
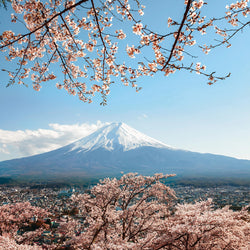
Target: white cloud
(21, 143)
(3, 149)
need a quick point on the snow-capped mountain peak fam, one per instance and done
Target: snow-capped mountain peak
(116, 136)
(118, 147)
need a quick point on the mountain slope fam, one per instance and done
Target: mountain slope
(118, 147)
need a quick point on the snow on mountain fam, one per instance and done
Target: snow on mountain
(116, 136)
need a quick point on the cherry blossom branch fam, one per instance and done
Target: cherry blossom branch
(103, 67)
(98, 25)
(231, 36)
(100, 33)
(47, 65)
(178, 33)
(61, 58)
(21, 64)
(45, 23)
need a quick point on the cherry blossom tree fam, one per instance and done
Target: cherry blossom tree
(7, 243)
(123, 212)
(82, 37)
(134, 212)
(21, 222)
(137, 212)
(199, 226)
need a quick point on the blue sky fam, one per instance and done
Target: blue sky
(180, 110)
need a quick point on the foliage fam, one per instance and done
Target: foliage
(134, 212)
(82, 37)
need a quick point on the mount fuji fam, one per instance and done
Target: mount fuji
(118, 147)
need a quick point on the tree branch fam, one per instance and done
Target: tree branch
(45, 23)
(178, 33)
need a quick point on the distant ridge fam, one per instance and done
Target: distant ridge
(118, 147)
